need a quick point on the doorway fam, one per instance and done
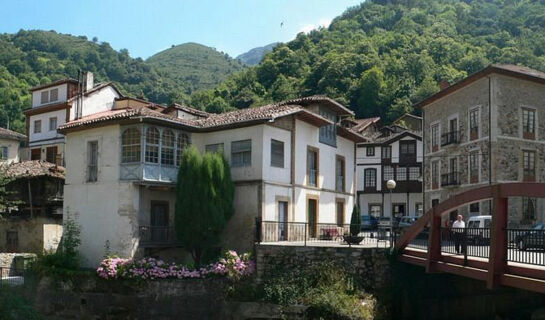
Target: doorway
(159, 221)
(282, 220)
(312, 207)
(398, 210)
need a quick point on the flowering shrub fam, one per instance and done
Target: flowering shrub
(231, 266)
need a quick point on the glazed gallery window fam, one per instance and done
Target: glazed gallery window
(277, 153)
(528, 123)
(167, 148)
(130, 145)
(370, 178)
(241, 153)
(182, 143)
(152, 145)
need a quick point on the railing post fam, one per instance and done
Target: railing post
(434, 242)
(306, 234)
(497, 257)
(464, 246)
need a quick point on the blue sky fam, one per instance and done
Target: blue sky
(145, 27)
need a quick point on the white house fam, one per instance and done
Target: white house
(59, 102)
(291, 162)
(10, 142)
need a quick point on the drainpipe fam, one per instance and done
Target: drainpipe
(489, 139)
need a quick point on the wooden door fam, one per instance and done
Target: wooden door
(159, 221)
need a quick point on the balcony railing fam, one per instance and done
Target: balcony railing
(148, 172)
(450, 138)
(450, 179)
(153, 236)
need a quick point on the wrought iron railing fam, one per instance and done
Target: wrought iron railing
(305, 233)
(450, 179)
(11, 277)
(157, 236)
(451, 137)
(526, 246)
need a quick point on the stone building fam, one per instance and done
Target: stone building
(291, 162)
(488, 128)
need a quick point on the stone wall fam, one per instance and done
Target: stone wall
(370, 264)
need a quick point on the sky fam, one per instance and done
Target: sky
(145, 27)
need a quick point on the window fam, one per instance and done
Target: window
(370, 151)
(277, 153)
(152, 145)
(414, 173)
(528, 209)
(419, 209)
(167, 148)
(474, 207)
(241, 153)
(407, 151)
(340, 213)
(215, 147)
(54, 95)
(36, 154)
(339, 174)
(312, 167)
(388, 173)
(183, 142)
(528, 123)
(53, 124)
(44, 97)
(435, 137)
(12, 241)
(328, 134)
(51, 154)
(435, 174)
(370, 178)
(92, 161)
(4, 155)
(474, 124)
(375, 210)
(37, 126)
(401, 173)
(529, 165)
(130, 145)
(386, 152)
(474, 167)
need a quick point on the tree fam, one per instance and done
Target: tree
(204, 201)
(355, 221)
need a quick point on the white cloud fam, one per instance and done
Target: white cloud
(324, 22)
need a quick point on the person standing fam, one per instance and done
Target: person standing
(458, 233)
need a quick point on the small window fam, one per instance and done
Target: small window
(339, 174)
(54, 95)
(386, 152)
(215, 147)
(435, 137)
(152, 145)
(529, 165)
(37, 126)
(241, 153)
(277, 153)
(4, 155)
(375, 210)
(53, 124)
(312, 167)
(370, 151)
(419, 209)
(474, 167)
(44, 97)
(474, 207)
(474, 124)
(528, 123)
(130, 146)
(51, 154)
(435, 174)
(388, 173)
(414, 173)
(370, 178)
(401, 173)
(328, 133)
(92, 161)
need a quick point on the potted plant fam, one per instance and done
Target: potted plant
(355, 227)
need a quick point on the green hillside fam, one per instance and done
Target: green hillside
(255, 55)
(198, 66)
(382, 56)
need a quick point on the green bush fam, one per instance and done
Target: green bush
(14, 307)
(355, 221)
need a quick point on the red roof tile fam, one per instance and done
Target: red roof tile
(34, 168)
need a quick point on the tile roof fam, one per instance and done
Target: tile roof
(54, 83)
(342, 110)
(197, 112)
(9, 134)
(362, 124)
(33, 169)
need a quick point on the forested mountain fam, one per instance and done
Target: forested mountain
(196, 65)
(384, 55)
(255, 55)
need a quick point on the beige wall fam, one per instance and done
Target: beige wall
(13, 150)
(35, 235)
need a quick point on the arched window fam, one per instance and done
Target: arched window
(152, 145)
(183, 142)
(167, 148)
(130, 145)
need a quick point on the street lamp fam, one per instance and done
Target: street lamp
(391, 184)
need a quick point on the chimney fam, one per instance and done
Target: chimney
(88, 81)
(444, 84)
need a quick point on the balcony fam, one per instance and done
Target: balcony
(450, 179)
(154, 237)
(452, 137)
(148, 172)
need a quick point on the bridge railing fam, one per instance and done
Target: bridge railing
(526, 246)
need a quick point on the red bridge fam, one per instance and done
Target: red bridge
(498, 261)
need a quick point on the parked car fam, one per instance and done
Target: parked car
(478, 229)
(368, 222)
(406, 221)
(384, 223)
(534, 239)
